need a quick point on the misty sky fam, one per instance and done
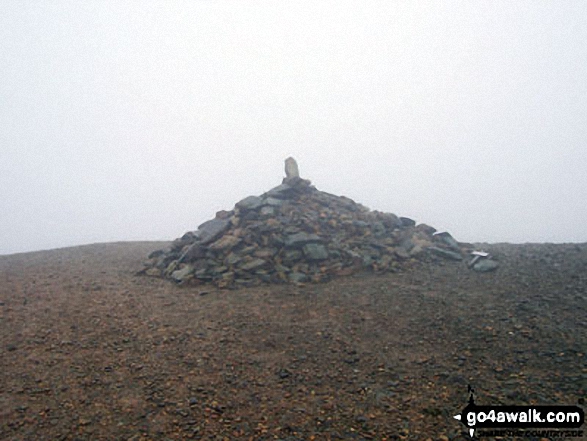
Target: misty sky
(138, 120)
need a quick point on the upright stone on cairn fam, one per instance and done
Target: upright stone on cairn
(291, 169)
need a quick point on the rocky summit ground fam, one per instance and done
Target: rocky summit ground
(91, 351)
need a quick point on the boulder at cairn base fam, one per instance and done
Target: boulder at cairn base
(294, 233)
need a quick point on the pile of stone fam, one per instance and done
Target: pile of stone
(295, 233)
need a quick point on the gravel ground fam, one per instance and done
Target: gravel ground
(89, 350)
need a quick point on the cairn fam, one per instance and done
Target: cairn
(297, 234)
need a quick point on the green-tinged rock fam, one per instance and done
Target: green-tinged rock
(297, 277)
(209, 231)
(193, 252)
(232, 259)
(445, 253)
(407, 222)
(315, 251)
(171, 267)
(226, 242)
(202, 273)
(267, 211)
(282, 269)
(183, 274)
(273, 202)
(291, 256)
(280, 192)
(485, 265)
(299, 239)
(265, 253)
(249, 203)
(253, 265)
(416, 251)
(218, 270)
(448, 240)
(426, 229)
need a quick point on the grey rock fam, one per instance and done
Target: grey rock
(291, 256)
(280, 192)
(272, 202)
(315, 251)
(156, 253)
(164, 260)
(224, 214)
(301, 185)
(291, 168)
(232, 259)
(378, 229)
(155, 272)
(210, 230)
(407, 222)
(178, 244)
(190, 236)
(291, 230)
(353, 255)
(360, 224)
(426, 229)
(250, 216)
(473, 261)
(265, 253)
(300, 239)
(335, 254)
(183, 274)
(203, 274)
(407, 243)
(226, 242)
(390, 220)
(193, 252)
(249, 203)
(248, 250)
(303, 268)
(254, 265)
(218, 270)
(416, 251)
(366, 260)
(445, 253)
(282, 269)
(485, 265)
(171, 267)
(229, 275)
(283, 373)
(297, 277)
(267, 211)
(448, 240)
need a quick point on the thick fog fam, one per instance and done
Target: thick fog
(138, 120)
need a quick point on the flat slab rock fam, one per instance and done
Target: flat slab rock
(446, 253)
(485, 265)
(212, 229)
(299, 239)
